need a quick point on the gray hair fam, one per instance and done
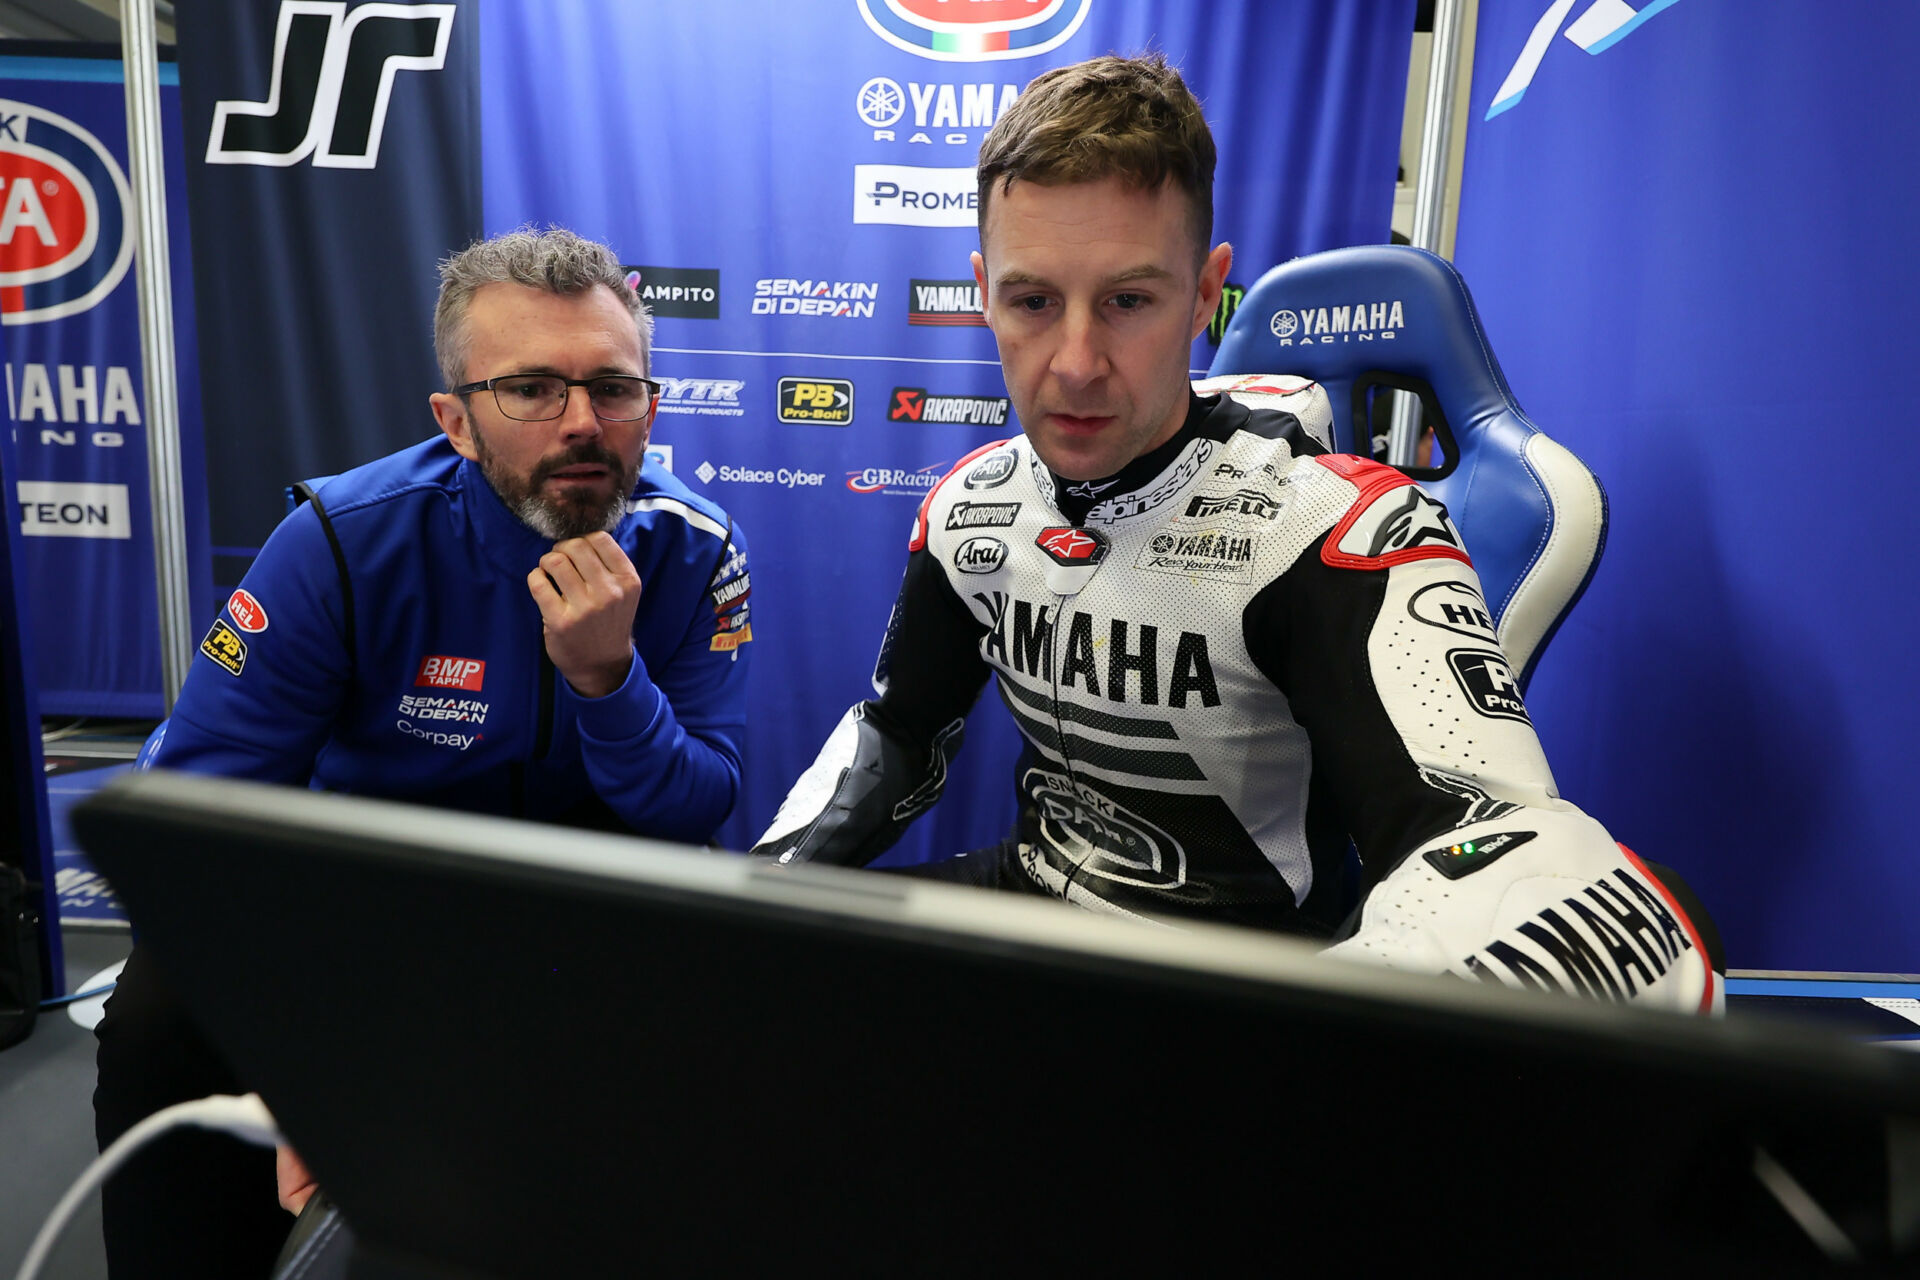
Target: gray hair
(555, 260)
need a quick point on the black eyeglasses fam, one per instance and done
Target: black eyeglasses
(541, 397)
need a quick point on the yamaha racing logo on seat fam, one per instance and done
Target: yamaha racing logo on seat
(65, 240)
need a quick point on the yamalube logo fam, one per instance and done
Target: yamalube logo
(915, 195)
(944, 302)
(974, 30)
(333, 78)
(65, 240)
(1325, 326)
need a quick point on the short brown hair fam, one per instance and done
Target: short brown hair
(1131, 118)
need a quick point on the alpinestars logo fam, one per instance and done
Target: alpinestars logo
(1604, 24)
(1419, 522)
(333, 76)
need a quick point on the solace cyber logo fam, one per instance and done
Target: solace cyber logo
(976, 30)
(1603, 24)
(333, 74)
(65, 240)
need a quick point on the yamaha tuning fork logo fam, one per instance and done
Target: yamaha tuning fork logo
(65, 240)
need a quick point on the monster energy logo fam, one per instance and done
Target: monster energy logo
(1230, 297)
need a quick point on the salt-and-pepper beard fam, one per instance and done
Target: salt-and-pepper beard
(547, 517)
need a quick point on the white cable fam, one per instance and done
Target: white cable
(246, 1118)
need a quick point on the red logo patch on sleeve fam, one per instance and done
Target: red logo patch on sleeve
(246, 611)
(440, 672)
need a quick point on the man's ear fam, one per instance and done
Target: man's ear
(980, 276)
(451, 412)
(1213, 278)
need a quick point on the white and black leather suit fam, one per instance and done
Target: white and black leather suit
(1226, 661)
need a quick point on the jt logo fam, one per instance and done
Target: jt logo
(332, 74)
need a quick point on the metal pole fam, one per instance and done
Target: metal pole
(1430, 190)
(148, 177)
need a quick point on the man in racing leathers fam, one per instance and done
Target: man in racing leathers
(1228, 650)
(515, 617)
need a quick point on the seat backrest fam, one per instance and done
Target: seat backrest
(1388, 316)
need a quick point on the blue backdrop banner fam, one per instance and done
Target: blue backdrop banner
(74, 379)
(1685, 226)
(794, 185)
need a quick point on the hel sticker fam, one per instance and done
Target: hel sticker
(246, 611)
(224, 645)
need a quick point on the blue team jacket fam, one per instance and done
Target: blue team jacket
(384, 643)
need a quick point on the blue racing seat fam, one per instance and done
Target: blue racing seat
(1380, 317)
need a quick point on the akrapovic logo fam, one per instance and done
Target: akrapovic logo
(1361, 322)
(1603, 24)
(913, 404)
(333, 75)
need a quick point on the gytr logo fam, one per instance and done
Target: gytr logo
(1604, 24)
(332, 77)
(974, 30)
(65, 241)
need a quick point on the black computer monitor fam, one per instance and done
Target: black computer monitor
(510, 1050)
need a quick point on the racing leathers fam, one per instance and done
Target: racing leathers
(384, 643)
(1226, 661)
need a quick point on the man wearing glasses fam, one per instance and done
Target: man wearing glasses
(514, 617)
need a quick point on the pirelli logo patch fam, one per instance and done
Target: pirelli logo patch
(224, 645)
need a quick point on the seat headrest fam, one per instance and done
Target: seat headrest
(1336, 315)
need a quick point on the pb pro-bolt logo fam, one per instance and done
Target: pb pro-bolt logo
(1602, 25)
(332, 77)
